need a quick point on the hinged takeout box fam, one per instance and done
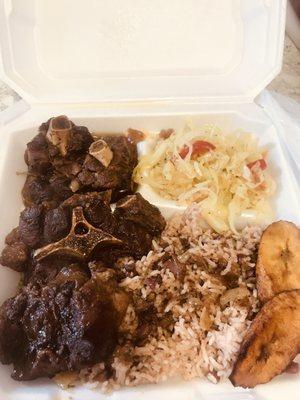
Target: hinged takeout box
(148, 65)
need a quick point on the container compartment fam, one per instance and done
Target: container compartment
(117, 82)
(17, 133)
(15, 139)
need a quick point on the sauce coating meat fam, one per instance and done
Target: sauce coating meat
(61, 160)
(135, 222)
(67, 314)
(67, 324)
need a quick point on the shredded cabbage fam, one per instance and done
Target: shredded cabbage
(227, 180)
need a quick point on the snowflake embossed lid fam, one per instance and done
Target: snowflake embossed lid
(71, 51)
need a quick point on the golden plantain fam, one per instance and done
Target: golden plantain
(271, 343)
(278, 262)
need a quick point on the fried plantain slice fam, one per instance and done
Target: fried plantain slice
(271, 343)
(278, 263)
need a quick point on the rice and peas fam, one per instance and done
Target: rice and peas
(200, 310)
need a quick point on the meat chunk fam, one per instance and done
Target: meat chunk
(60, 188)
(39, 274)
(39, 226)
(13, 237)
(57, 225)
(36, 190)
(138, 222)
(15, 256)
(15, 253)
(31, 226)
(95, 208)
(54, 158)
(66, 325)
(64, 138)
(137, 239)
(37, 155)
(135, 222)
(97, 177)
(117, 175)
(139, 211)
(147, 320)
(62, 160)
(48, 191)
(103, 305)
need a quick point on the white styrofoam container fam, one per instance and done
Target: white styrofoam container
(111, 64)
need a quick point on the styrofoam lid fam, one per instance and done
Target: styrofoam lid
(115, 50)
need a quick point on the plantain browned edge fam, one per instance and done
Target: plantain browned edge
(254, 330)
(275, 276)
